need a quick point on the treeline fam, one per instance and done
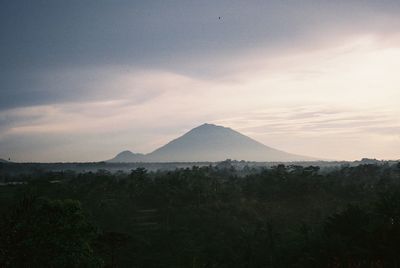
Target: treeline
(284, 216)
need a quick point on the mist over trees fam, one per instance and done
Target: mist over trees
(211, 216)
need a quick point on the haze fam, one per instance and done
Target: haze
(84, 80)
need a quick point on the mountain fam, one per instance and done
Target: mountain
(212, 143)
(128, 156)
(3, 161)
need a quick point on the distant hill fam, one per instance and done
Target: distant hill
(127, 156)
(3, 161)
(212, 143)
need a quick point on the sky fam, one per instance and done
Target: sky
(84, 80)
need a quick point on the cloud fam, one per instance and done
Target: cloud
(326, 131)
(53, 52)
(107, 77)
(319, 121)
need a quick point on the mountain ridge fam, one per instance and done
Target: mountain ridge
(209, 142)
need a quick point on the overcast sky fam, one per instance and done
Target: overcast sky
(84, 80)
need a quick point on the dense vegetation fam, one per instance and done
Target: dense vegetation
(284, 216)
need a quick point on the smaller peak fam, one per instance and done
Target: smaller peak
(126, 152)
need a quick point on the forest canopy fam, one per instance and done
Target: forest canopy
(211, 216)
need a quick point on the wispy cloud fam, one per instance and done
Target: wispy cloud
(342, 132)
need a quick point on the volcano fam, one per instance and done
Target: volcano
(211, 143)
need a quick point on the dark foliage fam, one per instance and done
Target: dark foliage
(44, 233)
(284, 216)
